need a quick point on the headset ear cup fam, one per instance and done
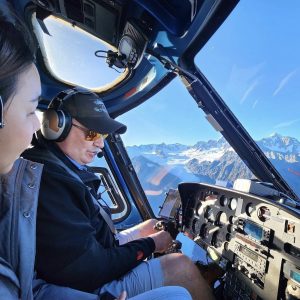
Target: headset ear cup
(56, 124)
(67, 126)
(1, 113)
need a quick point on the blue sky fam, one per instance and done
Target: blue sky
(253, 62)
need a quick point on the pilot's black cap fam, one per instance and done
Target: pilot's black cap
(88, 109)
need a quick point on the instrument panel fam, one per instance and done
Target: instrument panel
(256, 240)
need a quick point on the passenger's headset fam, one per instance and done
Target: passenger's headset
(1, 113)
(57, 122)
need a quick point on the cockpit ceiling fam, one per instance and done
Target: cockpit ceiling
(180, 21)
(173, 28)
(106, 19)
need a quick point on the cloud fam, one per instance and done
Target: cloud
(283, 82)
(248, 91)
(255, 103)
(240, 76)
(244, 80)
(286, 124)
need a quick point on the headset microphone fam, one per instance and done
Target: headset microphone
(100, 154)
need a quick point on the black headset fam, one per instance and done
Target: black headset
(57, 122)
(1, 113)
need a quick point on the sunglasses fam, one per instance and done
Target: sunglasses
(91, 135)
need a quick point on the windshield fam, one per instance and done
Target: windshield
(172, 145)
(69, 54)
(253, 63)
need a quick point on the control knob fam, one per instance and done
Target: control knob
(265, 243)
(243, 269)
(231, 228)
(241, 222)
(252, 277)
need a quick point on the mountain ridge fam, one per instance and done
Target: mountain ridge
(215, 160)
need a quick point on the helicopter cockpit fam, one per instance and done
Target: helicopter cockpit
(235, 200)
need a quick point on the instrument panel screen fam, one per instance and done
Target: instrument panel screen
(248, 253)
(295, 276)
(170, 205)
(254, 231)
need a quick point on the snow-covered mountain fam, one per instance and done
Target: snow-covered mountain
(281, 144)
(163, 166)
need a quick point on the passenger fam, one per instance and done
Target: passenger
(20, 89)
(76, 243)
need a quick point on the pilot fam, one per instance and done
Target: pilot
(20, 89)
(77, 244)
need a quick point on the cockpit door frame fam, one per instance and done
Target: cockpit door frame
(124, 173)
(223, 120)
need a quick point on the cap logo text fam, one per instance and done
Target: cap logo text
(99, 106)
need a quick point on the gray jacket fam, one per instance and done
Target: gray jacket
(19, 195)
(18, 205)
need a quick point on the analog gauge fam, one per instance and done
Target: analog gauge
(226, 246)
(223, 200)
(230, 228)
(232, 219)
(232, 203)
(196, 226)
(211, 196)
(249, 209)
(221, 219)
(217, 240)
(228, 237)
(263, 213)
(208, 213)
(204, 232)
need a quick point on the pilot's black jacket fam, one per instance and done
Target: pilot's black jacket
(75, 246)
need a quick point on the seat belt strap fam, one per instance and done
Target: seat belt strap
(105, 215)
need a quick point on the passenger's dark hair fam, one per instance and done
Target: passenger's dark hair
(15, 51)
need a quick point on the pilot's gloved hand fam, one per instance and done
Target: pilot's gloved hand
(162, 240)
